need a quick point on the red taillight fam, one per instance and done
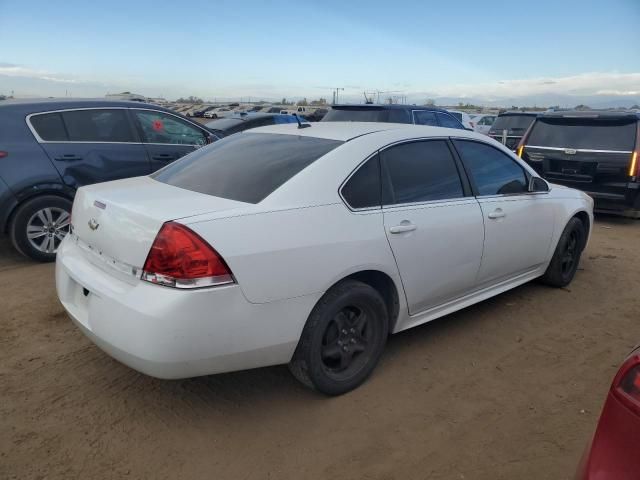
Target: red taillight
(3, 154)
(626, 385)
(180, 258)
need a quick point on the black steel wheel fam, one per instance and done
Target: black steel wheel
(343, 339)
(566, 257)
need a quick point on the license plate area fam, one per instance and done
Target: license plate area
(570, 170)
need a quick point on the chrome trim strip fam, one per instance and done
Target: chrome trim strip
(587, 150)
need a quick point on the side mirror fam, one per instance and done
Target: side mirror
(210, 138)
(537, 184)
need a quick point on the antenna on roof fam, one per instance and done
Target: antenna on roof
(300, 124)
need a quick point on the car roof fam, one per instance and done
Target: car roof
(596, 114)
(385, 106)
(345, 131)
(45, 104)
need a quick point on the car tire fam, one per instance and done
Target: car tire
(342, 340)
(47, 218)
(566, 257)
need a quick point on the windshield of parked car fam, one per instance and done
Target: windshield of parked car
(618, 135)
(246, 167)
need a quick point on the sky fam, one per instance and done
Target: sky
(539, 50)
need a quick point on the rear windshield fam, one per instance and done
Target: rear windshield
(518, 123)
(584, 133)
(246, 167)
(224, 123)
(395, 115)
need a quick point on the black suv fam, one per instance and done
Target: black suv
(594, 151)
(436, 117)
(49, 148)
(509, 127)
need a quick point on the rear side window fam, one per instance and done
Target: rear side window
(100, 125)
(420, 172)
(423, 117)
(492, 171)
(49, 127)
(246, 167)
(448, 121)
(584, 133)
(362, 190)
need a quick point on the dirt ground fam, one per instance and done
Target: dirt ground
(508, 389)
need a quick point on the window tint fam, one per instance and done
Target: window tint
(582, 133)
(493, 172)
(363, 188)
(448, 121)
(513, 123)
(98, 125)
(163, 128)
(420, 172)
(423, 117)
(355, 115)
(399, 115)
(246, 167)
(49, 127)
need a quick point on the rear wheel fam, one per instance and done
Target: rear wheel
(566, 257)
(342, 340)
(39, 225)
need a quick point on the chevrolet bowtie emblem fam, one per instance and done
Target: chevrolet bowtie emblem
(93, 224)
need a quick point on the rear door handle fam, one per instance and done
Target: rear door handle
(69, 158)
(164, 157)
(404, 226)
(497, 213)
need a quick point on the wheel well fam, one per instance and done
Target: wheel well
(386, 287)
(17, 206)
(584, 218)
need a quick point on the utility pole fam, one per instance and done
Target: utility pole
(336, 94)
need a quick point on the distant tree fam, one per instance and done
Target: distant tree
(635, 107)
(190, 99)
(303, 102)
(3, 97)
(320, 101)
(582, 107)
(430, 102)
(460, 104)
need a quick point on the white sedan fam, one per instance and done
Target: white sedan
(309, 246)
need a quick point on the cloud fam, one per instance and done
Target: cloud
(594, 83)
(13, 70)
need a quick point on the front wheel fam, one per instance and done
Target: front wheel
(566, 257)
(342, 340)
(39, 225)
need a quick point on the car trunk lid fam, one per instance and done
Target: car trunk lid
(119, 221)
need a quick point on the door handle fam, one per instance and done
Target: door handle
(497, 213)
(164, 157)
(68, 158)
(405, 226)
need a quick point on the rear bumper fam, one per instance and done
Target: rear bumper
(621, 199)
(168, 333)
